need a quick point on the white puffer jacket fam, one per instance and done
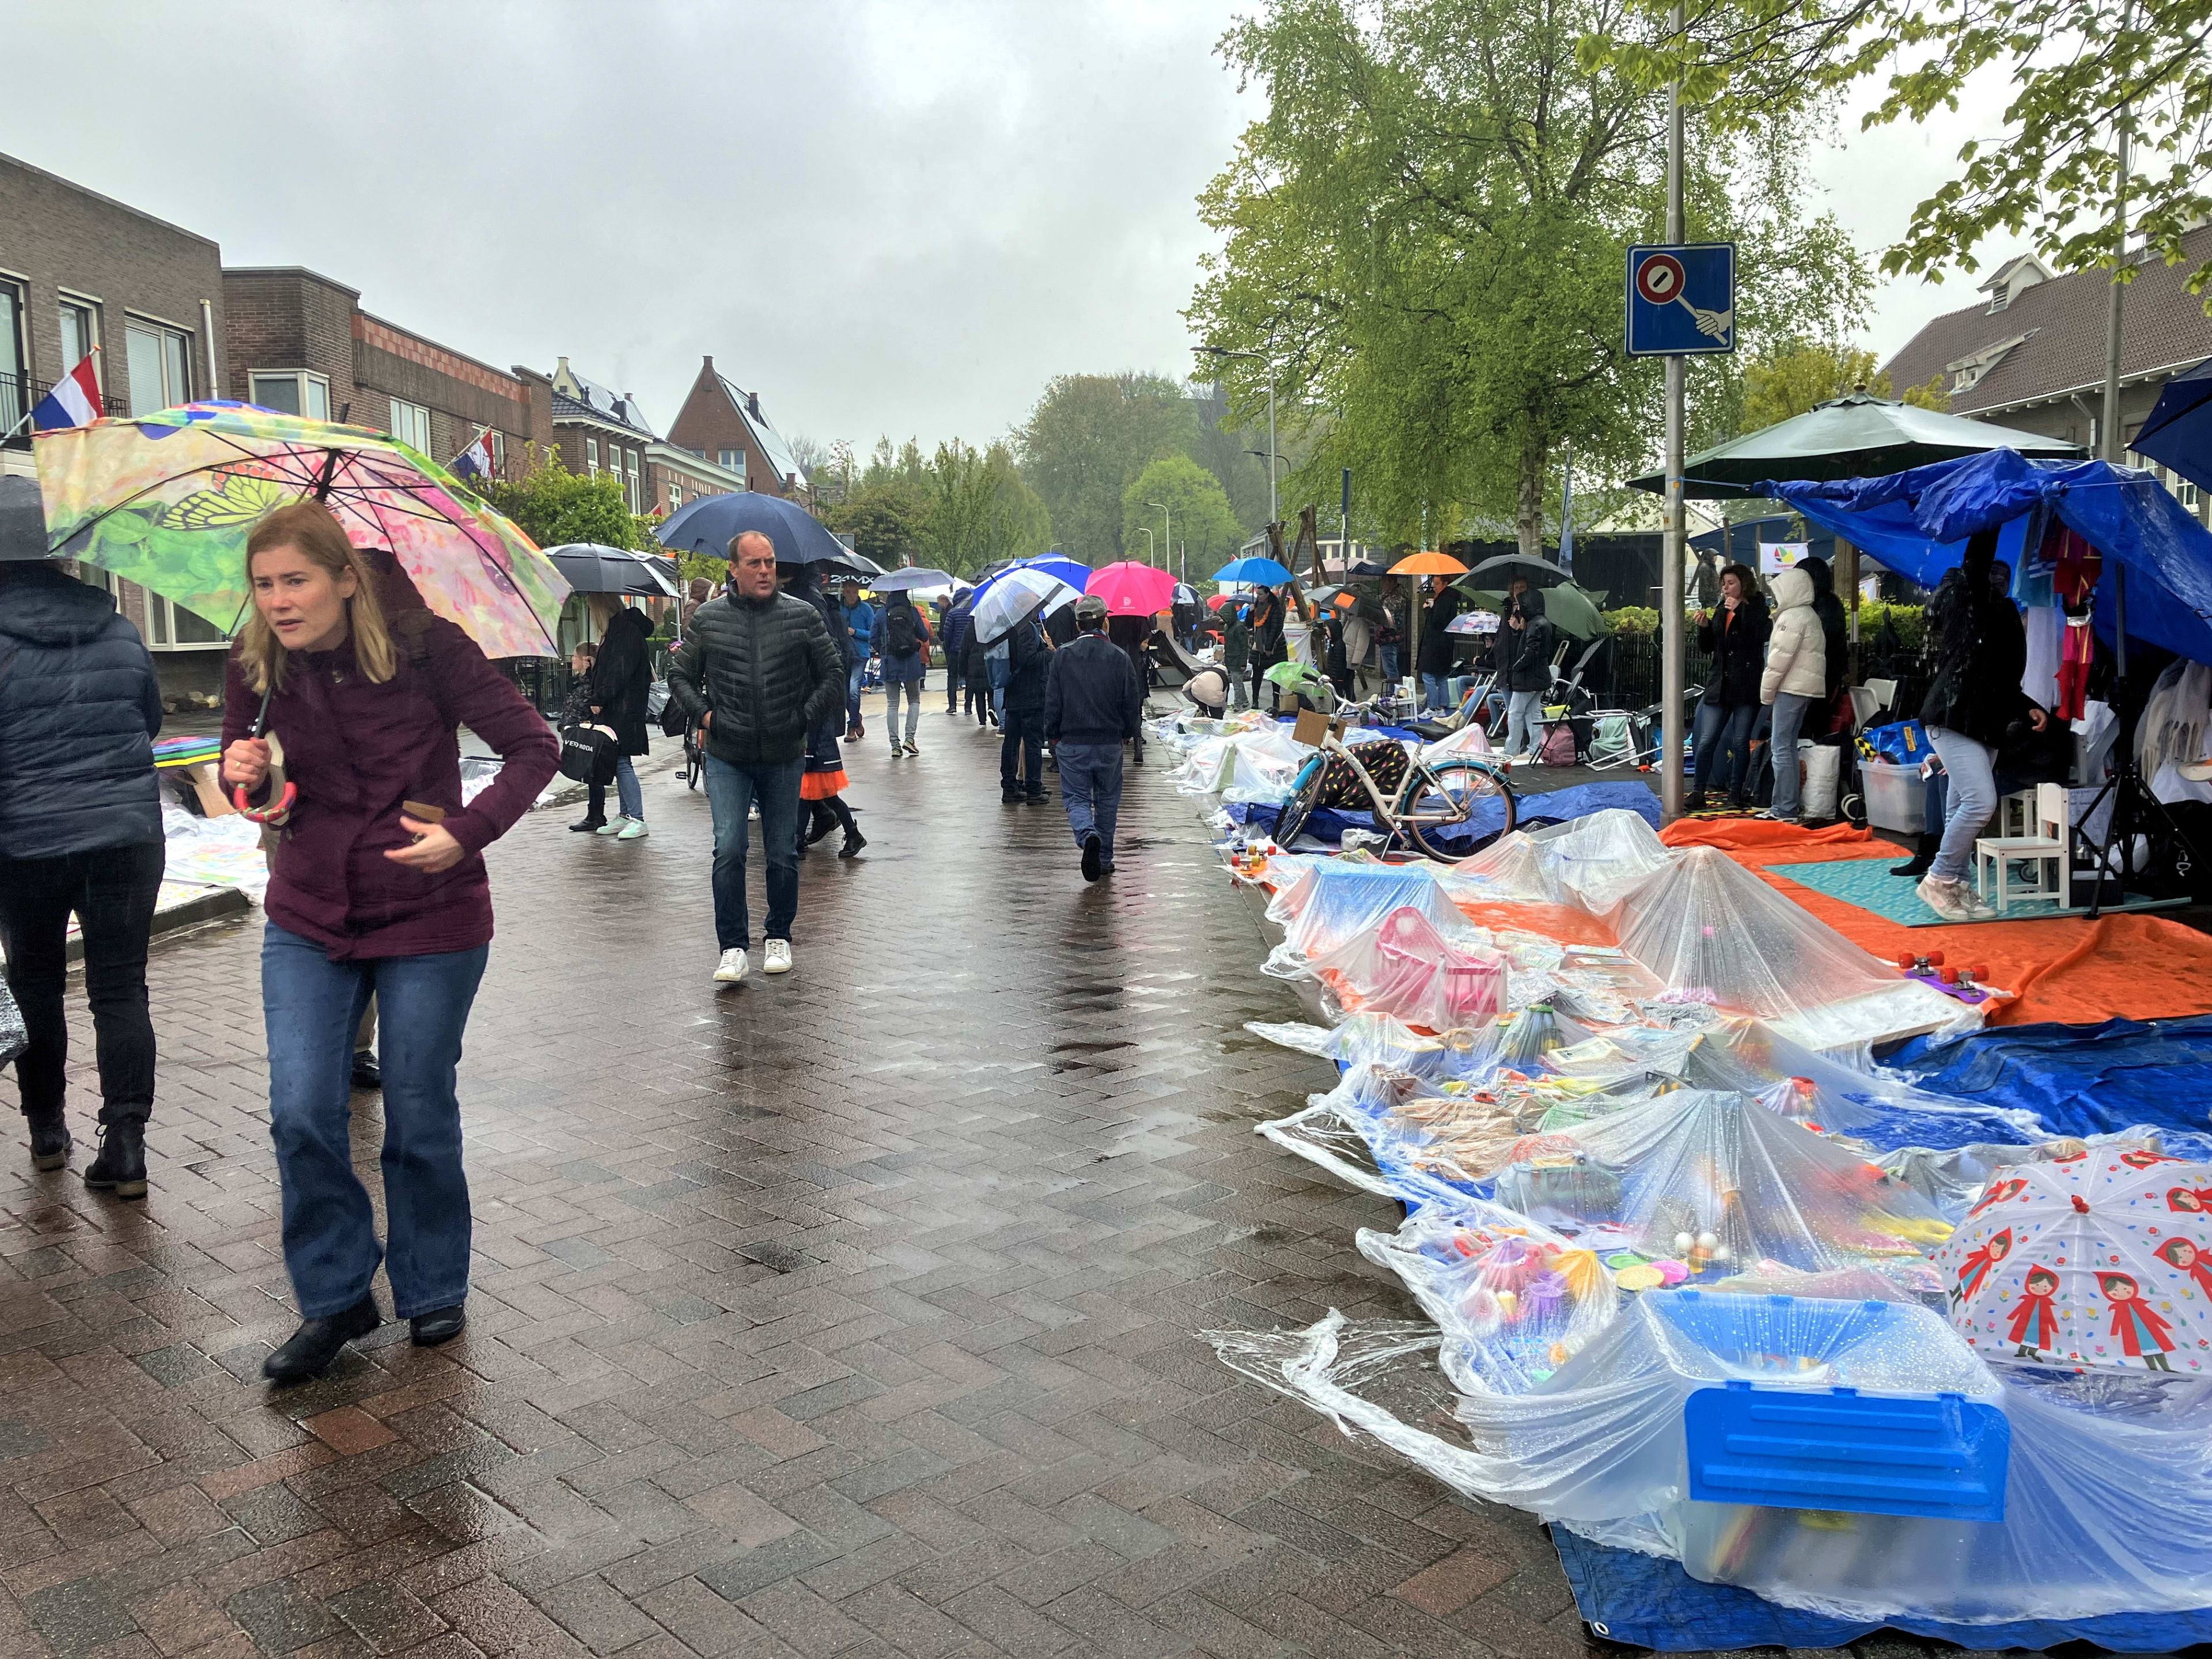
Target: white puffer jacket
(1796, 650)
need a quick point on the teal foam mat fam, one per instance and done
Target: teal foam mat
(1867, 884)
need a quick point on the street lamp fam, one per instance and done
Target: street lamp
(1273, 458)
(1152, 542)
(1168, 534)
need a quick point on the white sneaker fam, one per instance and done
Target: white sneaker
(1954, 900)
(614, 825)
(633, 830)
(776, 958)
(730, 969)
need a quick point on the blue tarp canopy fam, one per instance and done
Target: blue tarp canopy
(1917, 523)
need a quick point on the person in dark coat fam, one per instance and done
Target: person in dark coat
(1443, 604)
(80, 830)
(1127, 636)
(1974, 706)
(822, 786)
(1093, 699)
(1526, 640)
(1736, 637)
(1237, 651)
(1266, 645)
(1021, 751)
(1835, 624)
(621, 679)
(378, 887)
(952, 631)
(975, 662)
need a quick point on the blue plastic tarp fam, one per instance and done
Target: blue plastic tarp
(2078, 1080)
(1556, 806)
(1647, 1602)
(1917, 524)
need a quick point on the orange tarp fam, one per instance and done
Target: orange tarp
(2062, 968)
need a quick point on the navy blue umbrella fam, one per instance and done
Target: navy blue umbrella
(706, 523)
(2179, 432)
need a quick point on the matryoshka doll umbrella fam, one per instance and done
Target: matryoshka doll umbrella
(2104, 1259)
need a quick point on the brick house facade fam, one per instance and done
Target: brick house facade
(78, 270)
(674, 476)
(726, 426)
(601, 433)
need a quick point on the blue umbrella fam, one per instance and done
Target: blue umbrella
(1074, 572)
(2179, 432)
(1264, 572)
(706, 523)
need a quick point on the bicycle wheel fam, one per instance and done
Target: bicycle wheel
(1444, 796)
(1305, 795)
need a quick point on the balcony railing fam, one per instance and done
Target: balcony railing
(20, 395)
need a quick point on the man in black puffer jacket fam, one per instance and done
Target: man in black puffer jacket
(80, 829)
(758, 672)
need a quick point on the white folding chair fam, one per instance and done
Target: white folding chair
(2040, 860)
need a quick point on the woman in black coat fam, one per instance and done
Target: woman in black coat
(622, 679)
(1735, 638)
(1266, 645)
(1443, 604)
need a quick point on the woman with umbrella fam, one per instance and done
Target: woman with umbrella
(1267, 646)
(621, 679)
(378, 888)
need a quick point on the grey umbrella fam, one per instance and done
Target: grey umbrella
(591, 568)
(22, 520)
(1856, 436)
(912, 577)
(1534, 567)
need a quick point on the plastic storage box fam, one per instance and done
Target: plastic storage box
(1894, 796)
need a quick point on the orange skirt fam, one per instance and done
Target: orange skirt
(820, 786)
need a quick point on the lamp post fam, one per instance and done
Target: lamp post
(1168, 534)
(1152, 542)
(1273, 458)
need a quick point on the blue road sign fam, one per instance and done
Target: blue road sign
(1681, 301)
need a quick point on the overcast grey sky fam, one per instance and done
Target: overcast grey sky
(892, 217)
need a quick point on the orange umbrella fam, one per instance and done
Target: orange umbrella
(1428, 564)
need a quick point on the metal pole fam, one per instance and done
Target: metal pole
(1671, 620)
(1274, 461)
(2112, 446)
(1167, 535)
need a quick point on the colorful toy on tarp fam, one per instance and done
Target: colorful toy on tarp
(2102, 1261)
(1928, 967)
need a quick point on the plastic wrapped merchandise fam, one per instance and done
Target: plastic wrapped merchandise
(1376, 1130)
(1603, 858)
(1330, 911)
(1407, 968)
(1510, 871)
(1708, 928)
(1952, 1179)
(1514, 1300)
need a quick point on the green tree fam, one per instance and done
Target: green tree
(1088, 438)
(1425, 239)
(887, 520)
(1203, 524)
(1799, 375)
(2070, 69)
(981, 509)
(555, 506)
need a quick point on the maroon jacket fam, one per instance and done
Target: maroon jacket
(356, 750)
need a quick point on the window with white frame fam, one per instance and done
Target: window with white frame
(80, 334)
(498, 452)
(14, 385)
(636, 502)
(295, 392)
(159, 359)
(591, 456)
(172, 628)
(410, 424)
(734, 459)
(675, 495)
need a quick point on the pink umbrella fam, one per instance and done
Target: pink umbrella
(1131, 589)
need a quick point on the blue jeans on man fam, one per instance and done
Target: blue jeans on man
(1435, 694)
(730, 792)
(853, 691)
(311, 1006)
(1090, 789)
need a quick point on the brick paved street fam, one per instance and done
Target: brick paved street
(851, 1312)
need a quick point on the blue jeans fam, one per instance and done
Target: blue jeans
(893, 690)
(630, 794)
(1789, 715)
(730, 792)
(1390, 663)
(1434, 694)
(1523, 710)
(853, 691)
(311, 1006)
(1723, 738)
(1971, 801)
(1090, 789)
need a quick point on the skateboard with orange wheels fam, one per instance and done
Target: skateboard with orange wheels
(1964, 983)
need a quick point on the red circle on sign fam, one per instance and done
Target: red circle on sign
(1659, 279)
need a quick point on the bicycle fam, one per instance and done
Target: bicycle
(1430, 797)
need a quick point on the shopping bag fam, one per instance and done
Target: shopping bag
(1904, 743)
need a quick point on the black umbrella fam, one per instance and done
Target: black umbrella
(1856, 436)
(856, 565)
(591, 568)
(1365, 568)
(1522, 561)
(22, 520)
(708, 523)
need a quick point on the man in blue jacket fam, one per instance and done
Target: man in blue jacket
(80, 830)
(1092, 701)
(861, 624)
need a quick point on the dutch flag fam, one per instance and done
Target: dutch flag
(475, 461)
(75, 400)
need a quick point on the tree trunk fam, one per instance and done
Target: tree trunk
(1528, 507)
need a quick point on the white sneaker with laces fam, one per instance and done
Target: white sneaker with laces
(614, 825)
(633, 830)
(776, 958)
(1954, 900)
(730, 969)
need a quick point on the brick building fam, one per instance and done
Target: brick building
(674, 474)
(726, 426)
(79, 270)
(300, 343)
(2031, 352)
(601, 433)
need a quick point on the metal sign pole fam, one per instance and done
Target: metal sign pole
(1671, 620)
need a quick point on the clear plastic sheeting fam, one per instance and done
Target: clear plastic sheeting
(1954, 1178)
(224, 852)
(1332, 909)
(1592, 862)
(1256, 764)
(1409, 968)
(1708, 928)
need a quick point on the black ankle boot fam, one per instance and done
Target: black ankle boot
(49, 1138)
(317, 1342)
(1923, 857)
(121, 1166)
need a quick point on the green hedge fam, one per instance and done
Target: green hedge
(1911, 622)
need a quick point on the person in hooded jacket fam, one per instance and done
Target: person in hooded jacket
(1445, 603)
(953, 632)
(1265, 646)
(1734, 637)
(1835, 624)
(903, 636)
(1974, 705)
(621, 680)
(822, 786)
(80, 830)
(1794, 683)
(1524, 655)
(1021, 751)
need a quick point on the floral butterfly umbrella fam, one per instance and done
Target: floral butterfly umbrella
(2104, 1259)
(166, 501)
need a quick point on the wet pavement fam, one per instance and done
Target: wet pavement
(854, 1312)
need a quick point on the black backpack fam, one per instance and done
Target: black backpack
(899, 637)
